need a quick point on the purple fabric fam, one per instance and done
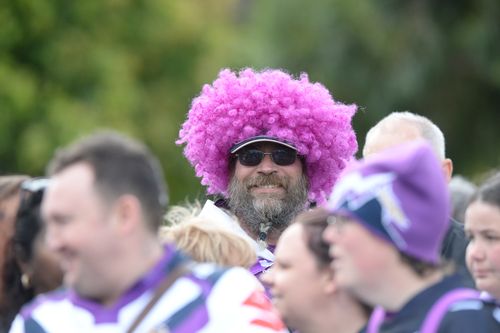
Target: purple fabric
(401, 195)
(376, 319)
(439, 309)
(262, 264)
(198, 317)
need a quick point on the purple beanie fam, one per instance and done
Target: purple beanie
(401, 196)
(238, 106)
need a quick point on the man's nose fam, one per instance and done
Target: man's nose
(267, 165)
(475, 250)
(330, 234)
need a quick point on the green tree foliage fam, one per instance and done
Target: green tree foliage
(70, 67)
(437, 58)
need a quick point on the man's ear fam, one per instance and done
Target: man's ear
(447, 166)
(128, 212)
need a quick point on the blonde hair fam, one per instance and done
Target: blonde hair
(179, 213)
(205, 241)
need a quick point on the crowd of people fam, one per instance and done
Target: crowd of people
(296, 236)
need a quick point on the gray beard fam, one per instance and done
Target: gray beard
(268, 210)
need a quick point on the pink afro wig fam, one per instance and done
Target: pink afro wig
(238, 106)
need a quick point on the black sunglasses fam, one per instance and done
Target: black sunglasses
(253, 157)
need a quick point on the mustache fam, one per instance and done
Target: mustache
(263, 180)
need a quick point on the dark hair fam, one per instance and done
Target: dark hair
(489, 191)
(28, 220)
(121, 166)
(14, 294)
(21, 250)
(315, 222)
(422, 268)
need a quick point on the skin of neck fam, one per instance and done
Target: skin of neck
(341, 313)
(138, 257)
(404, 284)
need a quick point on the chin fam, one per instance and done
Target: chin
(485, 285)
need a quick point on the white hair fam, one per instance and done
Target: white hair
(428, 130)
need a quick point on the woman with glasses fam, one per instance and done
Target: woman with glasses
(29, 267)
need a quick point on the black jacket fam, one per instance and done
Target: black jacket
(453, 250)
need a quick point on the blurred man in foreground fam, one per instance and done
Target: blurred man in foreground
(102, 211)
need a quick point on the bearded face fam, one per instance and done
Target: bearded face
(267, 198)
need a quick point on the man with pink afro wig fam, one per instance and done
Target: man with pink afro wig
(269, 144)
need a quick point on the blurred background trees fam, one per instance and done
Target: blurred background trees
(70, 67)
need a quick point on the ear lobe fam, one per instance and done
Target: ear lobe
(26, 272)
(328, 281)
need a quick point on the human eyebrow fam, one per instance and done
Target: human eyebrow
(490, 234)
(57, 218)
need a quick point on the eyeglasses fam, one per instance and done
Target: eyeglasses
(338, 221)
(253, 157)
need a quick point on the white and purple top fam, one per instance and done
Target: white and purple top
(207, 299)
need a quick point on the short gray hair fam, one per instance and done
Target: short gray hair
(429, 131)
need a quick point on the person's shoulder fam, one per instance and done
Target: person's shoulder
(42, 309)
(457, 228)
(224, 277)
(471, 315)
(235, 300)
(455, 235)
(51, 299)
(454, 247)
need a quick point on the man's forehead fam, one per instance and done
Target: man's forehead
(74, 180)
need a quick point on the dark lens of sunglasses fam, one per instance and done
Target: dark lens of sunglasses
(251, 157)
(283, 157)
